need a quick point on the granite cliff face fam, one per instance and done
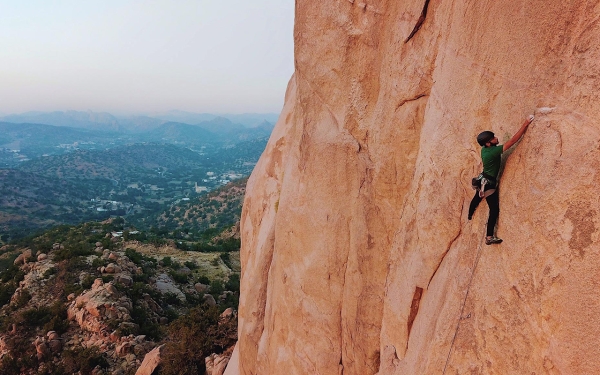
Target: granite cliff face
(357, 254)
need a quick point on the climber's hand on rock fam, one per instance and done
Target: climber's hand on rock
(530, 118)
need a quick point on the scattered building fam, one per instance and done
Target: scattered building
(200, 189)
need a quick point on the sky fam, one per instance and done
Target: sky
(134, 57)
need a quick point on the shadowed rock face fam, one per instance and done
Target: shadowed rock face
(357, 257)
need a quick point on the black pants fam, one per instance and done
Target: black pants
(494, 205)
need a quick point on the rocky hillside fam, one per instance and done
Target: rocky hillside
(357, 255)
(218, 209)
(82, 300)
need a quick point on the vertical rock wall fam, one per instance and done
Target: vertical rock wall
(357, 257)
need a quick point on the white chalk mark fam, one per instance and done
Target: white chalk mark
(544, 110)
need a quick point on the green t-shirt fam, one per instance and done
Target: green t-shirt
(491, 157)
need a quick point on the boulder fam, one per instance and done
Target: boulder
(164, 284)
(55, 345)
(228, 313)
(42, 350)
(150, 362)
(110, 268)
(52, 335)
(114, 336)
(92, 308)
(125, 280)
(201, 288)
(209, 299)
(215, 364)
(129, 326)
(24, 257)
(124, 348)
(41, 257)
(111, 289)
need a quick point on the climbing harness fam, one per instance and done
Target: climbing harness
(478, 183)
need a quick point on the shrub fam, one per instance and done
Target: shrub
(231, 300)
(20, 356)
(73, 250)
(99, 262)
(172, 299)
(229, 244)
(142, 318)
(83, 360)
(6, 292)
(233, 283)
(74, 288)
(88, 281)
(12, 273)
(171, 314)
(107, 278)
(137, 258)
(37, 316)
(216, 287)
(142, 278)
(179, 277)
(194, 336)
(74, 265)
(22, 299)
(226, 259)
(59, 321)
(49, 272)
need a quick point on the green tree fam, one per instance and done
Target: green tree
(194, 336)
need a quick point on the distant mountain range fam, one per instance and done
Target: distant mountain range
(107, 122)
(25, 141)
(74, 119)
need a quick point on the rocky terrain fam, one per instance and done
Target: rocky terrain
(218, 209)
(78, 299)
(357, 255)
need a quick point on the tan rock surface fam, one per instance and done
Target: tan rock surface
(95, 307)
(151, 362)
(357, 257)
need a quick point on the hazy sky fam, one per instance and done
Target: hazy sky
(217, 56)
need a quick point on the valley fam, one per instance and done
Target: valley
(112, 251)
(103, 174)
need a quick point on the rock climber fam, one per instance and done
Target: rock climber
(487, 182)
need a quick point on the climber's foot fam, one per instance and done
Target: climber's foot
(492, 240)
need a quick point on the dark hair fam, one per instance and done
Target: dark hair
(485, 137)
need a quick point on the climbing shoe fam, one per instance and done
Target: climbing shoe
(492, 240)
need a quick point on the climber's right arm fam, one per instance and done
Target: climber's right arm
(518, 134)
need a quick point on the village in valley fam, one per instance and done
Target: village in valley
(184, 191)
